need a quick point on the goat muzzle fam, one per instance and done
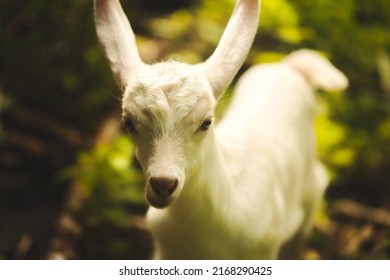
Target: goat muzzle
(159, 191)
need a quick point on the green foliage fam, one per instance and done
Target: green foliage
(110, 193)
(109, 182)
(332, 152)
(47, 45)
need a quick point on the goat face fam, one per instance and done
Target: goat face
(168, 107)
(168, 111)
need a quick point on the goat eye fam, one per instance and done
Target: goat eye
(128, 124)
(206, 124)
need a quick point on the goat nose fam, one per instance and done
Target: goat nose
(163, 186)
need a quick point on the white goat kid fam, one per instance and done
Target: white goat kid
(239, 190)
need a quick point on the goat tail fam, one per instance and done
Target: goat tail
(317, 70)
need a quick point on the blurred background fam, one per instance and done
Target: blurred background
(69, 186)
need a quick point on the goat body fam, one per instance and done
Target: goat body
(261, 180)
(237, 190)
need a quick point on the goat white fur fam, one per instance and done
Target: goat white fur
(237, 190)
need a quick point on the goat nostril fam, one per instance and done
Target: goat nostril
(173, 187)
(163, 185)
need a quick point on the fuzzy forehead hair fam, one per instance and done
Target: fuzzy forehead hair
(168, 88)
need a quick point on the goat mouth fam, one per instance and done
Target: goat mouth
(157, 202)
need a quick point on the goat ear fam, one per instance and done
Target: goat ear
(117, 38)
(233, 48)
